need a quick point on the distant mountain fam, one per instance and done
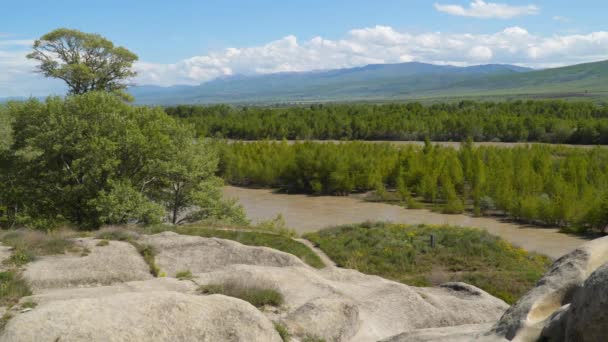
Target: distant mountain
(387, 82)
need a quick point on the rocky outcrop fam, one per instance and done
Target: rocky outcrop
(176, 253)
(108, 295)
(525, 320)
(142, 316)
(116, 262)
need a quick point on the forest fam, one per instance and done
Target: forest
(515, 121)
(545, 185)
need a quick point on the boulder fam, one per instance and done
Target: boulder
(117, 262)
(142, 316)
(197, 254)
(525, 320)
(340, 319)
(587, 318)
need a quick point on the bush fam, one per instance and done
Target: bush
(257, 293)
(403, 253)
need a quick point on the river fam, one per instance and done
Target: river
(311, 213)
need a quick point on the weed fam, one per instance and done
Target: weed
(258, 294)
(283, 332)
(184, 275)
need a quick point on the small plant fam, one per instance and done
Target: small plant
(311, 338)
(12, 288)
(29, 305)
(85, 251)
(19, 258)
(258, 295)
(184, 275)
(103, 243)
(283, 332)
(148, 253)
(116, 234)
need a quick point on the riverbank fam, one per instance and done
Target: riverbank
(310, 213)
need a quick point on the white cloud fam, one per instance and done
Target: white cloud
(382, 44)
(561, 19)
(482, 9)
(372, 45)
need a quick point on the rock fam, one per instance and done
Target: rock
(145, 316)
(587, 319)
(526, 319)
(115, 263)
(177, 253)
(109, 295)
(385, 308)
(152, 285)
(339, 317)
(555, 326)
(460, 333)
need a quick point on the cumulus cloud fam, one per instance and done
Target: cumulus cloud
(382, 44)
(482, 9)
(372, 45)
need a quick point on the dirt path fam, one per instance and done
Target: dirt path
(307, 214)
(326, 260)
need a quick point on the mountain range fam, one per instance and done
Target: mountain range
(390, 82)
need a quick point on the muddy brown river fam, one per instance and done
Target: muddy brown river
(310, 213)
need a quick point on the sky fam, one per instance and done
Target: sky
(190, 42)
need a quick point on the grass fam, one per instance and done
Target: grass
(12, 288)
(29, 244)
(184, 275)
(403, 253)
(283, 332)
(250, 238)
(258, 294)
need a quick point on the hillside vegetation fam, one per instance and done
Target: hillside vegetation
(404, 253)
(539, 184)
(529, 121)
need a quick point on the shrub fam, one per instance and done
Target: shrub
(12, 288)
(257, 293)
(184, 275)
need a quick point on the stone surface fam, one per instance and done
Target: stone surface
(525, 320)
(177, 253)
(142, 316)
(588, 314)
(460, 333)
(115, 263)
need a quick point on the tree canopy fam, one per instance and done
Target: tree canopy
(91, 159)
(85, 61)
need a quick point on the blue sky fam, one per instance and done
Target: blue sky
(188, 42)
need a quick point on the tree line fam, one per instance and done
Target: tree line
(539, 184)
(516, 121)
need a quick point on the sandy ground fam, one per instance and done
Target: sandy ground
(307, 213)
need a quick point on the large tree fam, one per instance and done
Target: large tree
(85, 61)
(92, 160)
